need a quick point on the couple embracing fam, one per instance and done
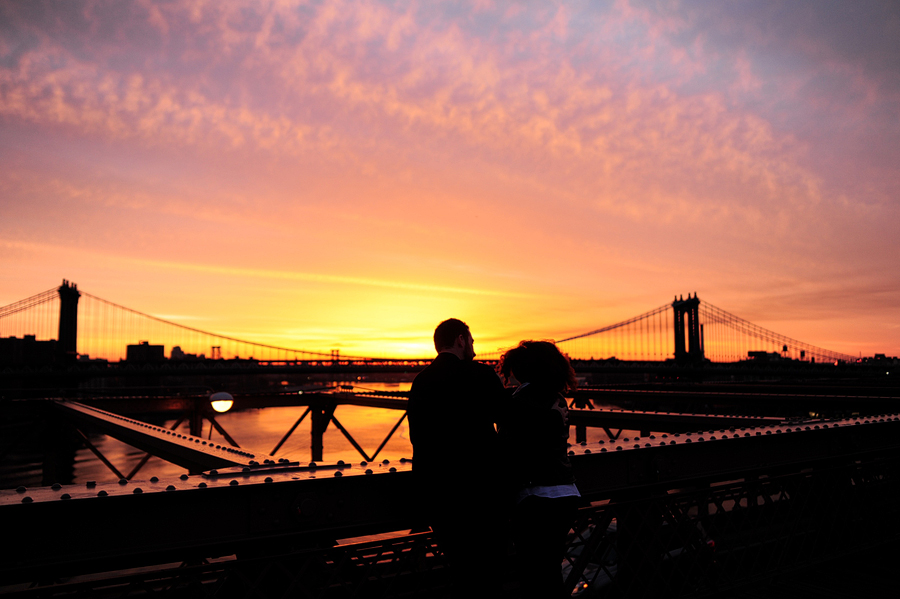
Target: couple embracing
(481, 484)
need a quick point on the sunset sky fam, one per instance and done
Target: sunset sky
(347, 174)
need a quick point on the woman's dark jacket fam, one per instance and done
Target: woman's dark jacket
(533, 432)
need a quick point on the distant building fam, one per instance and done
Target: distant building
(144, 352)
(879, 359)
(178, 354)
(27, 351)
(762, 356)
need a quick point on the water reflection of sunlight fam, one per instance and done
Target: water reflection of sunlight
(260, 430)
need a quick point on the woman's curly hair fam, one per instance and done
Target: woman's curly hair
(538, 362)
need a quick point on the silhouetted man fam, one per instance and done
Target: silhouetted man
(453, 406)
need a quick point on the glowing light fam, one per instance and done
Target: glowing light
(221, 402)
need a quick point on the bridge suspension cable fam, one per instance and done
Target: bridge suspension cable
(37, 315)
(644, 337)
(109, 328)
(724, 338)
(728, 338)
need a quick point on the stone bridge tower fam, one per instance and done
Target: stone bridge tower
(67, 341)
(688, 331)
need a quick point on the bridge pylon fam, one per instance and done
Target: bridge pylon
(67, 342)
(688, 330)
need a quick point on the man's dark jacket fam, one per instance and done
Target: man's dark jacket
(453, 405)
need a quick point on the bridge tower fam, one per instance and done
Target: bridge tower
(688, 331)
(67, 342)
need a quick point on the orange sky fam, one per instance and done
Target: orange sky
(347, 174)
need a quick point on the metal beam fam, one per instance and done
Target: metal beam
(663, 422)
(193, 453)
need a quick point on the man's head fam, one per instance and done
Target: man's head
(453, 336)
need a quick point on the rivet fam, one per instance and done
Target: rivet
(404, 460)
(102, 494)
(340, 462)
(268, 479)
(385, 461)
(234, 483)
(123, 481)
(364, 463)
(170, 488)
(392, 469)
(214, 473)
(587, 451)
(138, 491)
(55, 487)
(368, 471)
(338, 473)
(571, 453)
(27, 499)
(202, 485)
(312, 465)
(602, 450)
(154, 479)
(245, 469)
(618, 448)
(254, 463)
(65, 496)
(21, 489)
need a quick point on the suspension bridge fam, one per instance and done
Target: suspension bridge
(65, 323)
(717, 486)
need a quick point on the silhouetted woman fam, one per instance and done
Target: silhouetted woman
(533, 434)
